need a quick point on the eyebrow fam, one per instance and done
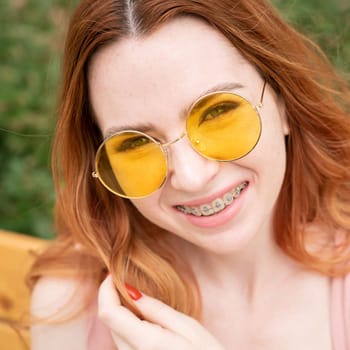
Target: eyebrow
(146, 127)
(228, 86)
(143, 127)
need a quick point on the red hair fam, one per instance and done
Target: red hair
(112, 235)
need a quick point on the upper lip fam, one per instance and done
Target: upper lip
(209, 199)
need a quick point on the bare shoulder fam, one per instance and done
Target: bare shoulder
(60, 305)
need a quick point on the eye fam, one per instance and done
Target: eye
(217, 110)
(133, 143)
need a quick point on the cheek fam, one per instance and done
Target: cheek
(272, 160)
(149, 207)
(274, 130)
(268, 159)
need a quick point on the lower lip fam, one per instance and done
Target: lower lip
(220, 218)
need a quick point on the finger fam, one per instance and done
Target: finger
(121, 343)
(110, 309)
(124, 325)
(106, 293)
(159, 313)
(178, 323)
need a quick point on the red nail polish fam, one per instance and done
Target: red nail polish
(133, 292)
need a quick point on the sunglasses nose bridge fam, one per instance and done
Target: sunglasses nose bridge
(187, 169)
(165, 145)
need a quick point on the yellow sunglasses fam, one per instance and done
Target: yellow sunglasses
(221, 126)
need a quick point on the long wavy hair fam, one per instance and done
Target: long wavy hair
(98, 231)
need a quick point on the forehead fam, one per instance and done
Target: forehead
(173, 39)
(168, 69)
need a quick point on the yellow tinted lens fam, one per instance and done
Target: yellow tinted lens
(223, 126)
(131, 164)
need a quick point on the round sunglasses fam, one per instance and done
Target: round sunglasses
(221, 126)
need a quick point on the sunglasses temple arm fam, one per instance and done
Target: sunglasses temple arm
(262, 93)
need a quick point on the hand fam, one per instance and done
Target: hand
(162, 327)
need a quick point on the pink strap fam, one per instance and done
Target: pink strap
(99, 336)
(340, 315)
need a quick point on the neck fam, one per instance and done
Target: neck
(252, 271)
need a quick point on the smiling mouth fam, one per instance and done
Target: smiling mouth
(216, 206)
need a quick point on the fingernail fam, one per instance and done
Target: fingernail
(133, 292)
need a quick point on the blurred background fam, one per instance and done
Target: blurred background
(31, 44)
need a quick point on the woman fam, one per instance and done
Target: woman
(202, 161)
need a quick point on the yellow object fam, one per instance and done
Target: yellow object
(17, 253)
(221, 126)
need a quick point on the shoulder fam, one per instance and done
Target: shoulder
(61, 318)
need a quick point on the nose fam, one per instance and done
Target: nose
(188, 170)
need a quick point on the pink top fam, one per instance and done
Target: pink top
(99, 336)
(340, 313)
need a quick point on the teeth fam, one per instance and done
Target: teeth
(181, 208)
(236, 192)
(228, 198)
(216, 205)
(207, 210)
(186, 210)
(195, 211)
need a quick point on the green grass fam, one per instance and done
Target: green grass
(31, 42)
(31, 35)
(326, 22)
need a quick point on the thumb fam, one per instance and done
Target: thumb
(107, 297)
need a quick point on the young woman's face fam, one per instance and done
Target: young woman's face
(152, 81)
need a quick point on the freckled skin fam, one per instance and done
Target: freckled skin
(146, 84)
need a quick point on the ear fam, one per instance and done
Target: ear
(283, 114)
